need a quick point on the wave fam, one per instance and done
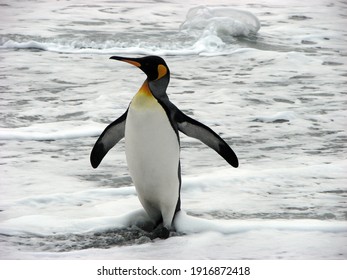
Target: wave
(87, 47)
(220, 22)
(206, 45)
(204, 32)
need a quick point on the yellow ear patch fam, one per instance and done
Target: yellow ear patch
(162, 70)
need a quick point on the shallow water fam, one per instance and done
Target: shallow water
(277, 95)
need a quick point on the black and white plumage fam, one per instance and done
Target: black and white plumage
(151, 126)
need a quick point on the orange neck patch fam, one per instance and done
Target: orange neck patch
(144, 97)
(144, 89)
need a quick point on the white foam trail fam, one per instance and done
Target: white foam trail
(52, 131)
(15, 134)
(187, 224)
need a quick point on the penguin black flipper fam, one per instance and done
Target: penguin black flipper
(195, 129)
(112, 134)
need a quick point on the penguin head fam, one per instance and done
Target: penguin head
(153, 66)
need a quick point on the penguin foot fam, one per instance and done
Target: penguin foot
(160, 232)
(163, 233)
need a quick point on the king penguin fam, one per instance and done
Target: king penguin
(151, 126)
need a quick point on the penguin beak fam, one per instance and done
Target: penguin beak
(132, 61)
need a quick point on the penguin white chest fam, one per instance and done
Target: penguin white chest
(152, 152)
